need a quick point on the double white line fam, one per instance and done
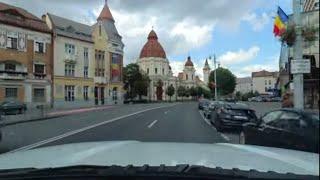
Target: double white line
(40, 143)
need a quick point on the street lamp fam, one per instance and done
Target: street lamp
(215, 76)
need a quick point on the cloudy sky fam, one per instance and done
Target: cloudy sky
(238, 32)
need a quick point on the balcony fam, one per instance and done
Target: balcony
(39, 76)
(13, 75)
(70, 58)
(100, 80)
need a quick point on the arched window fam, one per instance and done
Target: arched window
(186, 76)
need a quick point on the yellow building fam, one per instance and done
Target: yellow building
(108, 62)
(73, 62)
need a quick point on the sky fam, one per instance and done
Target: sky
(237, 32)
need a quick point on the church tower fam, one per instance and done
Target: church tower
(206, 72)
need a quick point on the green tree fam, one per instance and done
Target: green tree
(238, 95)
(170, 91)
(131, 74)
(193, 92)
(141, 86)
(181, 91)
(256, 93)
(226, 81)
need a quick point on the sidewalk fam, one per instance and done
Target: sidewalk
(38, 114)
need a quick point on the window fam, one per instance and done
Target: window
(265, 82)
(162, 71)
(269, 82)
(39, 95)
(11, 92)
(10, 67)
(147, 70)
(156, 70)
(39, 69)
(39, 47)
(69, 69)
(85, 72)
(192, 77)
(186, 76)
(100, 66)
(85, 93)
(86, 56)
(12, 42)
(99, 29)
(70, 49)
(270, 117)
(69, 93)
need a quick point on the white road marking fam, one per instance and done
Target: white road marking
(40, 143)
(205, 119)
(154, 122)
(166, 112)
(225, 137)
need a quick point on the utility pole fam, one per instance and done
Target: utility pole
(215, 77)
(297, 51)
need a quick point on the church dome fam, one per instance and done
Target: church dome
(152, 48)
(189, 62)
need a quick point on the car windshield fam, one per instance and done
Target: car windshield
(131, 82)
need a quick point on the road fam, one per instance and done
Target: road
(165, 122)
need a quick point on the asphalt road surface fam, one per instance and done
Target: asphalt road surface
(167, 122)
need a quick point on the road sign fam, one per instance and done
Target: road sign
(300, 66)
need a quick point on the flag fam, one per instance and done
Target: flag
(280, 22)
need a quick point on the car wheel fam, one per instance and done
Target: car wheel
(242, 138)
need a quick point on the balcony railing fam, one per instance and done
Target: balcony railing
(39, 76)
(71, 58)
(13, 75)
(100, 80)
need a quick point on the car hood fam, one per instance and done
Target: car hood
(123, 153)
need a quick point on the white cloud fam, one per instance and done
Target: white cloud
(257, 22)
(241, 55)
(271, 64)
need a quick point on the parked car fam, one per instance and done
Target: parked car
(202, 103)
(256, 99)
(284, 128)
(211, 107)
(276, 99)
(12, 107)
(232, 115)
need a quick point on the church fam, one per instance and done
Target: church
(153, 61)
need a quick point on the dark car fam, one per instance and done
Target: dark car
(232, 115)
(12, 107)
(211, 107)
(202, 103)
(284, 128)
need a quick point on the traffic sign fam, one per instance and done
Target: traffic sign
(300, 66)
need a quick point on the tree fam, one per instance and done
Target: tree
(141, 86)
(226, 81)
(170, 91)
(238, 95)
(181, 91)
(193, 92)
(131, 74)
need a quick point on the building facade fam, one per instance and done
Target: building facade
(264, 82)
(108, 48)
(310, 5)
(73, 61)
(153, 62)
(311, 52)
(25, 57)
(244, 85)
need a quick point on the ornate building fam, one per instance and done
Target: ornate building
(153, 61)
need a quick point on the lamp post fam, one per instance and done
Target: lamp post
(215, 76)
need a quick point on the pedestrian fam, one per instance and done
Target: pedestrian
(287, 101)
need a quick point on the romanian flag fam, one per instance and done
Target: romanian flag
(280, 22)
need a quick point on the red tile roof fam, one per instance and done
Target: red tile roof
(264, 73)
(152, 48)
(105, 13)
(16, 16)
(189, 62)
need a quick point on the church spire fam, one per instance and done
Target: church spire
(206, 65)
(106, 13)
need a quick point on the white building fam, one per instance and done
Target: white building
(153, 61)
(244, 85)
(263, 81)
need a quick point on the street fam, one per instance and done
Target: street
(159, 122)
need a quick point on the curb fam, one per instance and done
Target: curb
(29, 120)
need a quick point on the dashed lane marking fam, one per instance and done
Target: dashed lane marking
(153, 123)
